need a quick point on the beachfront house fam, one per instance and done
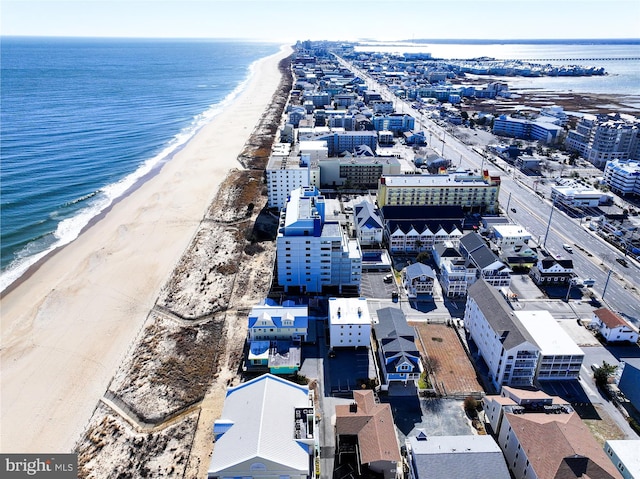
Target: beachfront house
(266, 429)
(274, 336)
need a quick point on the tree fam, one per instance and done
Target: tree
(423, 257)
(603, 373)
(471, 406)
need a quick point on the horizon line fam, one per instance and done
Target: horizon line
(361, 40)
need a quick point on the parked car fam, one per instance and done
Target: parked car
(388, 278)
(623, 262)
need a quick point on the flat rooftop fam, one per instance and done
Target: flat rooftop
(548, 334)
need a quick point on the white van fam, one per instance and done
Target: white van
(567, 248)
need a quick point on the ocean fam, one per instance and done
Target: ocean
(83, 120)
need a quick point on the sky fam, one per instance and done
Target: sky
(348, 20)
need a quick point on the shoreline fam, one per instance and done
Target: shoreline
(68, 323)
(154, 170)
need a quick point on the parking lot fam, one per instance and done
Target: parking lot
(372, 285)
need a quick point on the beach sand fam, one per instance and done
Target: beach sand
(67, 327)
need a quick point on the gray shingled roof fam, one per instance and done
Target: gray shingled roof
(471, 242)
(396, 337)
(484, 257)
(498, 314)
(392, 323)
(470, 457)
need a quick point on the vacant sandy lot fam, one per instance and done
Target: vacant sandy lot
(448, 361)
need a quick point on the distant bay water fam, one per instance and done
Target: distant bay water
(82, 120)
(620, 58)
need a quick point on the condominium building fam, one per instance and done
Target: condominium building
(624, 455)
(542, 129)
(623, 176)
(519, 347)
(488, 266)
(470, 191)
(456, 275)
(339, 141)
(602, 138)
(286, 173)
(314, 255)
(510, 352)
(560, 356)
(395, 122)
(357, 171)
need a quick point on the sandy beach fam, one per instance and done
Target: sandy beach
(67, 327)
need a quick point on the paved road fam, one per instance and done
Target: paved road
(534, 214)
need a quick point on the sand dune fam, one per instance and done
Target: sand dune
(68, 325)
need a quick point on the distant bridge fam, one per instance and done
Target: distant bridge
(621, 59)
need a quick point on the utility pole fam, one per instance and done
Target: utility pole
(566, 299)
(606, 283)
(544, 243)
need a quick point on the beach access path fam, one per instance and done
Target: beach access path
(66, 327)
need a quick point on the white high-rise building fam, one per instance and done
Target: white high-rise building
(286, 173)
(315, 255)
(602, 138)
(623, 176)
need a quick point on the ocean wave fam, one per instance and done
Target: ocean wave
(70, 228)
